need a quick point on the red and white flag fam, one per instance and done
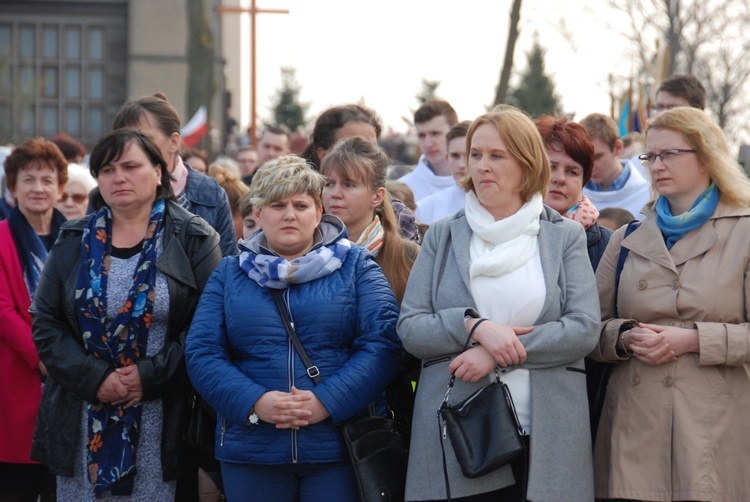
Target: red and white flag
(195, 129)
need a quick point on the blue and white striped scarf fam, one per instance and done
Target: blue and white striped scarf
(272, 271)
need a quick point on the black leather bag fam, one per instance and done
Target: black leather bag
(377, 450)
(201, 426)
(483, 429)
(379, 457)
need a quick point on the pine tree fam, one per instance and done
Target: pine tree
(428, 91)
(536, 92)
(288, 110)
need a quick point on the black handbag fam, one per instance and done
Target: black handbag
(377, 450)
(483, 429)
(201, 425)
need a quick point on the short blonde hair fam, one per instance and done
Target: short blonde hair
(283, 177)
(711, 147)
(523, 142)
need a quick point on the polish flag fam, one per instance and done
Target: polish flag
(195, 129)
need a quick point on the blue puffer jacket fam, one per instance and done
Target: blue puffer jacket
(237, 349)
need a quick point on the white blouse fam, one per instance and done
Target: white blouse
(516, 299)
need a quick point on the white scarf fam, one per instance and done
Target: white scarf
(499, 247)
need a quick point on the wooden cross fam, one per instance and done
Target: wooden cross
(253, 10)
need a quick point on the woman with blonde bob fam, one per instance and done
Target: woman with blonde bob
(356, 170)
(677, 326)
(278, 434)
(514, 276)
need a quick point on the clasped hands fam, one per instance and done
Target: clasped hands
(290, 410)
(655, 344)
(121, 387)
(498, 345)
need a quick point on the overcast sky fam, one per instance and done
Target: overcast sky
(379, 51)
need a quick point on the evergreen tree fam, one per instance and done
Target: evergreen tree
(536, 92)
(288, 110)
(428, 91)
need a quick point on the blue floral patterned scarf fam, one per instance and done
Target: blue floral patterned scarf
(674, 228)
(32, 252)
(271, 271)
(113, 432)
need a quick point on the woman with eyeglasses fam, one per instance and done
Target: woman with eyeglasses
(674, 419)
(75, 196)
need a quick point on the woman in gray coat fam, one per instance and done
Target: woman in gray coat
(519, 264)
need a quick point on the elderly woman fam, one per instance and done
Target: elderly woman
(674, 420)
(522, 268)
(36, 174)
(277, 432)
(114, 305)
(75, 196)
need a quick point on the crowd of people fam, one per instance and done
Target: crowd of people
(603, 279)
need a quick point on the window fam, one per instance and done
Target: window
(73, 120)
(49, 80)
(27, 45)
(28, 119)
(50, 42)
(73, 82)
(96, 83)
(49, 120)
(96, 121)
(96, 44)
(60, 73)
(73, 43)
(6, 38)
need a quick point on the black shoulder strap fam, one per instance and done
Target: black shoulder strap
(312, 370)
(632, 227)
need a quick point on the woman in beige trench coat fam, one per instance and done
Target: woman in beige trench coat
(674, 423)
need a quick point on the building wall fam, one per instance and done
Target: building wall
(143, 51)
(157, 32)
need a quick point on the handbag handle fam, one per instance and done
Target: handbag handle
(312, 370)
(466, 345)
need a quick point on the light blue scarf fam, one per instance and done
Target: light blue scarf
(673, 228)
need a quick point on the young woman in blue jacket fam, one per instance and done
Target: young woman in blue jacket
(277, 432)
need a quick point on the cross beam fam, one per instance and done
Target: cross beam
(253, 11)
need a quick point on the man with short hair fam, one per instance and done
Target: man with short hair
(448, 201)
(614, 182)
(679, 90)
(274, 142)
(432, 120)
(247, 160)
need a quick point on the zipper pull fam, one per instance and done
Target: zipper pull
(445, 429)
(223, 429)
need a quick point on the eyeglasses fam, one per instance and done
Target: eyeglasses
(666, 156)
(77, 197)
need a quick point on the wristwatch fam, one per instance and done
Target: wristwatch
(252, 418)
